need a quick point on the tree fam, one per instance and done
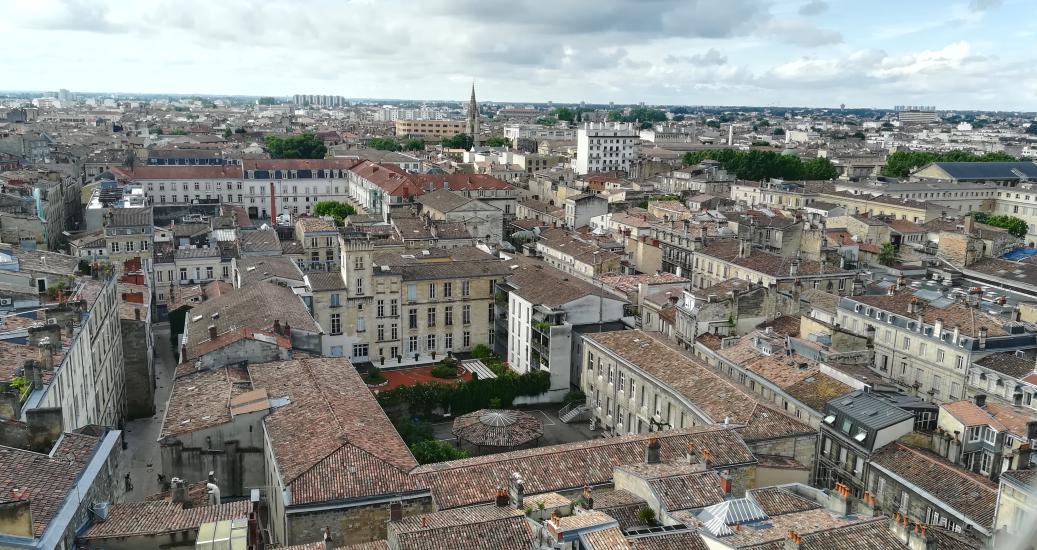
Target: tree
(266, 101)
(428, 452)
(385, 144)
(859, 135)
(901, 163)
(226, 133)
(546, 121)
(759, 165)
(459, 141)
(1015, 226)
(778, 132)
(1032, 128)
(564, 113)
(888, 255)
(498, 141)
(646, 516)
(303, 146)
(338, 210)
(414, 144)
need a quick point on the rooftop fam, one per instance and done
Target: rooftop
(135, 519)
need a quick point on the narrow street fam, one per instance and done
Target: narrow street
(142, 434)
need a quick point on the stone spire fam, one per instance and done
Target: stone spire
(473, 119)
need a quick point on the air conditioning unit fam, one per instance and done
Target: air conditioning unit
(5, 301)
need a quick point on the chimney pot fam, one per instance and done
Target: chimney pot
(652, 452)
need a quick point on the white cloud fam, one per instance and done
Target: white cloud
(813, 7)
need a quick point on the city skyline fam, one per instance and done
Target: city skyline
(807, 53)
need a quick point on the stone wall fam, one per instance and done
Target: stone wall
(350, 525)
(138, 360)
(802, 448)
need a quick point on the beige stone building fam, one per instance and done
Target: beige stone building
(129, 233)
(434, 129)
(320, 243)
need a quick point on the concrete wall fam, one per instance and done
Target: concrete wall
(802, 448)
(138, 360)
(234, 451)
(253, 351)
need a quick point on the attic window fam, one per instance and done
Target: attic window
(861, 435)
(830, 419)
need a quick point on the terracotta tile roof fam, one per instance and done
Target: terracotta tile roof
(332, 441)
(312, 224)
(967, 493)
(201, 399)
(390, 178)
(867, 535)
(688, 491)
(255, 269)
(772, 533)
(786, 325)
(156, 518)
(688, 540)
(1009, 363)
(236, 335)
(762, 261)
(776, 501)
(968, 319)
(197, 494)
(969, 414)
(1015, 419)
(47, 480)
(622, 505)
(714, 395)
(497, 527)
(818, 389)
(605, 539)
(539, 283)
(472, 481)
(298, 164)
(460, 182)
(256, 306)
(629, 283)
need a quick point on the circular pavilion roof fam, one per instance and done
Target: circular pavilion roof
(497, 428)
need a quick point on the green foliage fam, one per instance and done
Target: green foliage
(460, 141)
(179, 132)
(641, 114)
(385, 144)
(498, 141)
(428, 452)
(546, 121)
(778, 132)
(564, 113)
(887, 126)
(574, 396)
(858, 135)
(374, 376)
(266, 101)
(495, 403)
(335, 209)
(443, 370)
(303, 146)
(414, 144)
(482, 351)
(21, 385)
(420, 400)
(888, 255)
(1014, 225)
(901, 163)
(412, 431)
(760, 165)
(760, 143)
(226, 133)
(646, 516)
(1032, 129)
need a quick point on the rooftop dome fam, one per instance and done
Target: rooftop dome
(496, 428)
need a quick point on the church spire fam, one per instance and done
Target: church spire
(473, 118)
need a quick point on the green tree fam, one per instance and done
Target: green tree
(428, 452)
(498, 141)
(385, 144)
(901, 163)
(1015, 226)
(414, 144)
(646, 516)
(858, 135)
(227, 133)
(266, 101)
(888, 254)
(303, 146)
(1032, 128)
(759, 165)
(778, 132)
(459, 141)
(547, 121)
(335, 209)
(564, 113)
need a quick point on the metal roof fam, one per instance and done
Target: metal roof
(989, 170)
(718, 517)
(868, 410)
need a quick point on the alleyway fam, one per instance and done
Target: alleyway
(142, 434)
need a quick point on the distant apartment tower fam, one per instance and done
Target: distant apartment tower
(606, 147)
(319, 100)
(913, 114)
(64, 96)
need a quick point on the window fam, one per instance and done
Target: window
(465, 288)
(431, 317)
(432, 291)
(907, 343)
(448, 316)
(380, 305)
(394, 329)
(130, 246)
(336, 323)
(846, 425)
(939, 355)
(430, 342)
(412, 344)
(959, 362)
(208, 272)
(984, 464)
(905, 499)
(115, 247)
(489, 312)
(448, 290)
(394, 308)
(921, 349)
(412, 292)
(361, 324)
(826, 447)
(381, 332)
(466, 339)
(183, 273)
(358, 262)
(360, 286)
(359, 350)
(412, 318)
(448, 341)
(466, 314)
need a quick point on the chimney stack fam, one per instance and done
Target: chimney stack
(502, 497)
(981, 400)
(212, 332)
(938, 328)
(396, 511)
(1022, 461)
(652, 452)
(793, 541)
(725, 483)
(328, 542)
(516, 490)
(277, 327)
(178, 491)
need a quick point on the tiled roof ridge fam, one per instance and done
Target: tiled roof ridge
(350, 444)
(935, 459)
(469, 521)
(853, 524)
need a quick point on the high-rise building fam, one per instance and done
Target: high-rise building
(606, 147)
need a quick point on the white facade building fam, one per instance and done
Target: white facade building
(606, 147)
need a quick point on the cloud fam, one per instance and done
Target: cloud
(813, 7)
(710, 57)
(69, 15)
(983, 5)
(802, 33)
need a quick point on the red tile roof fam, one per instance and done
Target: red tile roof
(139, 519)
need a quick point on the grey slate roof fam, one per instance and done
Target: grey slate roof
(989, 170)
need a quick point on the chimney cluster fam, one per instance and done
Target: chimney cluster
(282, 330)
(839, 500)
(793, 540)
(912, 535)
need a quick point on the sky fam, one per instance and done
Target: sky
(953, 54)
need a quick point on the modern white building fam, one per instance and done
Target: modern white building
(606, 147)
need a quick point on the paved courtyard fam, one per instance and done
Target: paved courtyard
(555, 431)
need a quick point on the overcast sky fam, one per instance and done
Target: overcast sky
(955, 54)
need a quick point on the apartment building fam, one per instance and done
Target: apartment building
(926, 347)
(407, 307)
(320, 243)
(567, 253)
(430, 129)
(606, 147)
(129, 233)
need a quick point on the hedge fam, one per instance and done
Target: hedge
(420, 400)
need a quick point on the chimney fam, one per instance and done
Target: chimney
(502, 497)
(273, 205)
(794, 268)
(652, 452)
(982, 338)
(793, 541)
(970, 225)
(891, 291)
(1022, 460)
(212, 332)
(981, 400)
(938, 328)
(516, 490)
(957, 332)
(588, 498)
(725, 483)
(213, 492)
(277, 327)
(396, 509)
(46, 355)
(839, 500)
(287, 330)
(178, 491)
